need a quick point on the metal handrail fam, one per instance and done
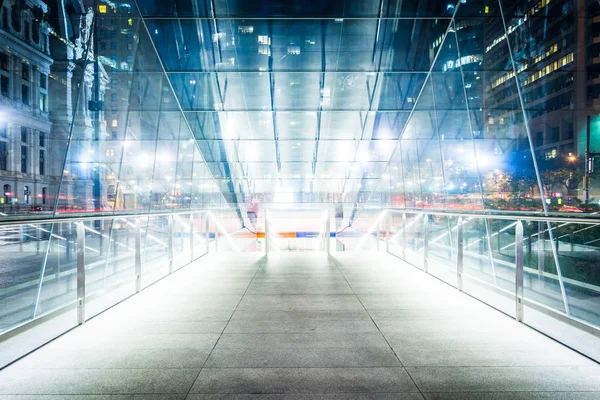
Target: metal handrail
(492, 215)
(95, 217)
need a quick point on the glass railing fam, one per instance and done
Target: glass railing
(542, 271)
(70, 269)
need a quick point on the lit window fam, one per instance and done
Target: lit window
(115, 123)
(245, 29)
(550, 154)
(266, 50)
(263, 39)
(102, 8)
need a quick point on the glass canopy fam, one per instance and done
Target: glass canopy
(241, 105)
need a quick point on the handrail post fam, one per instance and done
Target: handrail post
(267, 233)
(191, 237)
(426, 243)
(138, 255)
(216, 239)
(327, 235)
(388, 218)
(207, 233)
(404, 236)
(377, 235)
(519, 261)
(459, 254)
(80, 273)
(541, 251)
(170, 244)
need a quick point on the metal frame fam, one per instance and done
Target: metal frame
(327, 233)
(388, 220)
(404, 236)
(426, 243)
(519, 261)
(138, 255)
(80, 273)
(192, 242)
(170, 245)
(459, 254)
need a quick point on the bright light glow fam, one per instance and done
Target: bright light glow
(143, 160)
(283, 196)
(220, 227)
(363, 156)
(164, 157)
(371, 229)
(486, 161)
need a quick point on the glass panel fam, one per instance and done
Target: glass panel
(181, 239)
(155, 255)
(442, 248)
(544, 286)
(110, 263)
(59, 286)
(487, 269)
(24, 248)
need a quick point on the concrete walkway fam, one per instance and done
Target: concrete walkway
(302, 326)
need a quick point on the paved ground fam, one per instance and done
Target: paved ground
(302, 326)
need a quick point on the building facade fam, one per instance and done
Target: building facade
(25, 124)
(556, 48)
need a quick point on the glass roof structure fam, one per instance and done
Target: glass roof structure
(241, 105)
(296, 102)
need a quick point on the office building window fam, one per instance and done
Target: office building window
(24, 134)
(24, 159)
(44, 194)
(5, 19)
(4, 75)
(7, 193)
(3, 156)
(43, 80)
(42, 139)
(4, 83)
(26, 194)
(44, 44)
(4, 62)
(25, 72)
(26, 32)
(15, 18)
(25, 94)
(35, 31)
(42, 163)
(43, 102)
(550, 154)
